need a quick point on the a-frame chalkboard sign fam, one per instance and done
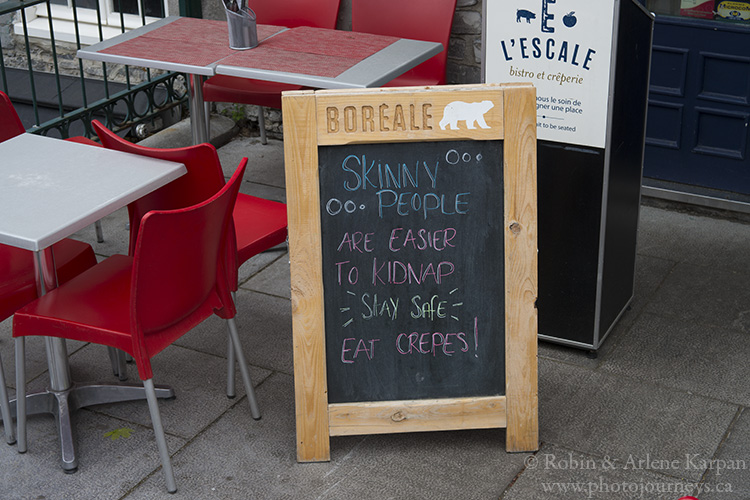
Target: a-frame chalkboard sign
(413, 248)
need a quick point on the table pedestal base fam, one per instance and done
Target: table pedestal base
(62, 404)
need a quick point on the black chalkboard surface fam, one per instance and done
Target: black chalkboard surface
(413, 270)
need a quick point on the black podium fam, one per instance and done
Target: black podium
(589, 197)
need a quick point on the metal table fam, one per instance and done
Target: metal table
(49, 189)
(313, 57)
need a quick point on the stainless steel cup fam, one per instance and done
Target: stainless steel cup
(243, 32)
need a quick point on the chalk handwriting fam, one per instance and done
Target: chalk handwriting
(434, 307)
(375, 308)
(396, 272)
(426, 204)
(364, 174)
(421, 239)
(432, 343)
(361, 347)
(352, 241)
(350, 273)
(437, 342)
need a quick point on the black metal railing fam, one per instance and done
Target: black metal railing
(61, 94)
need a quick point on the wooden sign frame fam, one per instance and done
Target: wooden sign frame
(329, 117)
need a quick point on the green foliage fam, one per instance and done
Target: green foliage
(237, 113)
(123, 432)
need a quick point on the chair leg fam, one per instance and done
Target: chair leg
(231, 361)
(21, 393)
(231, 393)
(99, 232)
(254, 410)
(161, 440)
(207, 113)
(10, 438)
(262, 124)
(117, 360)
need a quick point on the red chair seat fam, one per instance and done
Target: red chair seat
(98, 304)
(268, 222)
(104, 314)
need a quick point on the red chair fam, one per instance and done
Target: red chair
(176, 278)
(429, 20)
(17, 274)
(259, 224)
(289, 13)
(10, 125)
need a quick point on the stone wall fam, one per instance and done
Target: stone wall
(465, 51)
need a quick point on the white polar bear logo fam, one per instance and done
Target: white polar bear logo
(470, 112)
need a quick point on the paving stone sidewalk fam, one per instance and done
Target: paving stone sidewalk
(662, 412)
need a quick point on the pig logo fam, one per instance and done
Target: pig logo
(524, 14)
(469, 112)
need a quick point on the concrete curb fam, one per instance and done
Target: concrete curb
(223, 130)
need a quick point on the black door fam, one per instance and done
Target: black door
(697, 134)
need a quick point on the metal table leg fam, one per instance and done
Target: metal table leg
(62, 404)
(197, 110)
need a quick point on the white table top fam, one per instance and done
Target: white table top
(50, 188)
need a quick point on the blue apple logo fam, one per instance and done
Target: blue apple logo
(570, 20)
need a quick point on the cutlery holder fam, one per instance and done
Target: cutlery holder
(243, 32)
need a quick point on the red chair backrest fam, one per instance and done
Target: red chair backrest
(294, 13)
(179, 261)
(10, 123)
(429, 20)
(203, 179)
